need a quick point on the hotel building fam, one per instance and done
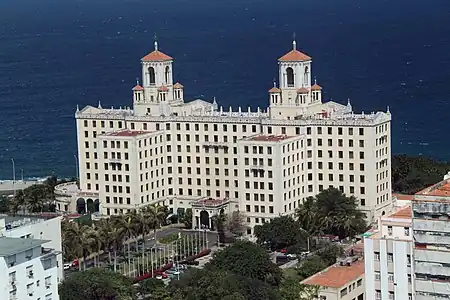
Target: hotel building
(171, 151)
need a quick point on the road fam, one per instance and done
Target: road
(149, 243)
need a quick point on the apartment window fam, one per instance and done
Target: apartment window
(390, 277)
(390, 257)
(378, 294)
(390, 230)
(377, 276)
(391, 296)
(406, 231)
(376, 256)
(359, 282)
(344, 290)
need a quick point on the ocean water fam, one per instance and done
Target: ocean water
(55, 54)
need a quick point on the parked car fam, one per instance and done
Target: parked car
(75, 263)
(67, 266)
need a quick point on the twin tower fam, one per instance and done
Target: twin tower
(294, 96)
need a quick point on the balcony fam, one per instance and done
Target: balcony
(115, 160)
(434, 225)
(428, 255)
(257, 167)
(432, 269)
(434, 287)
(424, 238)
(219, 145)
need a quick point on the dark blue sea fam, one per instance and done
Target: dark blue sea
(55, 54)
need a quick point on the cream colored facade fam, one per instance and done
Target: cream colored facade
(202, 147)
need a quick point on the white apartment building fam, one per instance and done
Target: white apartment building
(431, 235)
(45, 227)
(202, 148)
(387, 253)
(27, 270)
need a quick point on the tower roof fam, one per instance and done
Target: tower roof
(156, 55)
(138, 88)
(294, 55)
(163, 88)
(316, 87)
(274, 90)
(302, 90)
(178, 86)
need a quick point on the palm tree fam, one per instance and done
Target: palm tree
(81, 238)
(144, 224)
(156, 215)
(18, 202)
(116, 236)
(128, 223)
(34, 196)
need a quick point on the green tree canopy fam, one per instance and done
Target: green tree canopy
(310, 266)
(280, 232)
(412, 174)
(96, 284)
(188, 218)
(153, 289)
(332, 212)
(208, 284)
(247, 259)
(292, 289)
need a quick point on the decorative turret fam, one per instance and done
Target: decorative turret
(275, 95)
(162, 93)
(178, 91)
(138, 92)
(316, 92)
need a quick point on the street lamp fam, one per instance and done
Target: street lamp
(14, 176)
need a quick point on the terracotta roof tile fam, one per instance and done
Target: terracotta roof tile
(440, 189)
(302, 91)
(294, 55)
(403, 197)
(337, 276)
(156, 56)
(163, 88)
(402, 213)
(178, 86)
(138, 88)
(316, 87)
(274, 90)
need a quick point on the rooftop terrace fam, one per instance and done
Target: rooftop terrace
(268, 138)
(210, 202)
(10, 246)
(126, 133)
(337, 276)
(402, 213)
(440, 189)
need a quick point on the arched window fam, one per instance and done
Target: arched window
(306, 76)
(151, 75)
(166, 73)
(290, 77)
